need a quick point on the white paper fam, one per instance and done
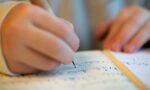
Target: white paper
(138, 63)
(94, 72)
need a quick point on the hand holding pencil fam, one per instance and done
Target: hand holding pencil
(40, 42)
(44, 4)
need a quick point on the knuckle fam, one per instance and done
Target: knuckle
(65, 30)
(25, 7)
(11, 22)
(9, 25)
(58, 46)
(12, 26)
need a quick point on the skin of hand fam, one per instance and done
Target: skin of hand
(33, 40)
(41, 3)
(128, 32)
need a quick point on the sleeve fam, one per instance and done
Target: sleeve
(4, 9)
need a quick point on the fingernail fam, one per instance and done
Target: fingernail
(116, 47)
(106, 46)
(131, 48)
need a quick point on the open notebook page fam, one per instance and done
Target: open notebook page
(94, 72)
(138, 63)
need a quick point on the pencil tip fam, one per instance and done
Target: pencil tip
(74, 64)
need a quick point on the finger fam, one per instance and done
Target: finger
(67, 23)
(20, 68)
(102, 29)
(49, 45)
(122, 17)
(38, 61)
(139, 40)
(58, 27)
(129, 29)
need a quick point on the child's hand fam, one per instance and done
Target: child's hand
(33, 40)
(128, 32)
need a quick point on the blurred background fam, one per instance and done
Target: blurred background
(87, 14)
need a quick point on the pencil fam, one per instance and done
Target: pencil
(74, 64)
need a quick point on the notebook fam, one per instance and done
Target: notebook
(95, 70)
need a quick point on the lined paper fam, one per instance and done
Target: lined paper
(94, 72)
(138, 63)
